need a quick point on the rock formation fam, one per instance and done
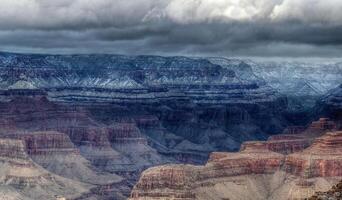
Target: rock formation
(255, 172)
(334, 194)
(21, 178)
(181, 92)
(56, 153)
(92, 118)
(322, 159)
(330, 105)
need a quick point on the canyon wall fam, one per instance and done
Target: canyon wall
(256, 172)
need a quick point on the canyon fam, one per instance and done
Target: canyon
(255, 172)
(169, 127)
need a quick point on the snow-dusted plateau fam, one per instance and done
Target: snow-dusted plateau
(87, 126)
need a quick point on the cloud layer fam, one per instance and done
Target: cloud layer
(194, 27)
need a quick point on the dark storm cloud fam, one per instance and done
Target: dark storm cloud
(193, 27)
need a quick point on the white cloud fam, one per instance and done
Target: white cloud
(309, 11)
(110, 13)
(147, 26)
(192, 11)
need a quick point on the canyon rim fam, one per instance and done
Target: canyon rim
(170, 100)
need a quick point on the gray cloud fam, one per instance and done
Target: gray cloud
(193, 27)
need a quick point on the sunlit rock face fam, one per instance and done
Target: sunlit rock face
(256, 172)
(321, 159)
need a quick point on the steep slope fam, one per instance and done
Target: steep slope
(56, 153)
(253, 173)
(221, 104)
(302, 82)
(96, 141)
(297, 78)
(330, 105)
(23, 179)
(103, 78)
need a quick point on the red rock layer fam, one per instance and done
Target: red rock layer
(296, 139)
(322, 158)
(254, 158)
(284, 144)
(287, 144)
(179, 180)
(323, 124)
(44, 143)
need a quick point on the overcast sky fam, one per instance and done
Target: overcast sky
(266, 28)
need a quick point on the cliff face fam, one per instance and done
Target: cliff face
(101, 78)
(222, 104)
(83, 149)
(299, 78)
(23, 179)
(93, 118)
(322, 158)
(118, 147)
(55, 152)
(255, 172)
(330, 105)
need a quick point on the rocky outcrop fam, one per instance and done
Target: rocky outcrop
(109, 147)
(22, 178)
(288, 143)
(184, 108)
(256, 168)
(127, 113)
(322, 124)
(56, 153)
(334, 194)
(296, 139)
(180, 181)
(322, 158)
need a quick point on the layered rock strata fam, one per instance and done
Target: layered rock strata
(109, 147)
(21, 178)
(56, 153)
(253, 173)
(322, 159)
(185, 94)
